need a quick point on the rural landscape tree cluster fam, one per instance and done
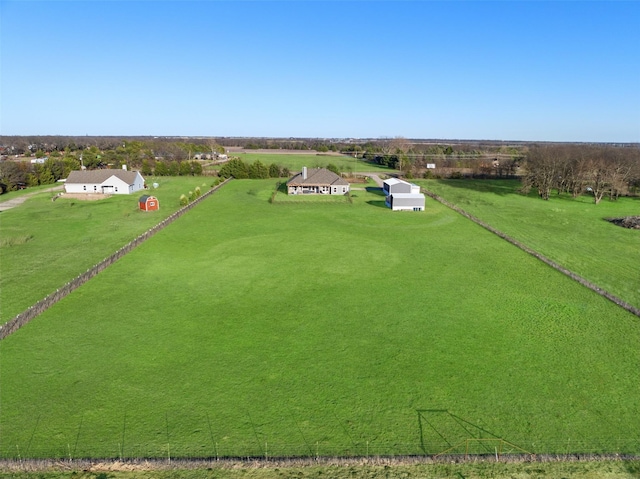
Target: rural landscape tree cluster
(578, 170)
(598, 170)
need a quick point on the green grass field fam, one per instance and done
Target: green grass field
(254, 329)
(295, 162)
(570, 231)
(44, 243)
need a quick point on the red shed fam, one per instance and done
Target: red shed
(148, 203)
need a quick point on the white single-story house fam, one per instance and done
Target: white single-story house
(117, 182)
(317, 181)
(402, 195)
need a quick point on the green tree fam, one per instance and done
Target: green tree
(258, 170)
(70, 163)
(45, 176)
(174, 168)
(235, 168)
(146, 168)
(56, 167)
(196, 168)
(274, 171)
(334, 168)
(161, 169)
(32, 179)
(184, 168)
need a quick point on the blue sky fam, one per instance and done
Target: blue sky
(540, 71)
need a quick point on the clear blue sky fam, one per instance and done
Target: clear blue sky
(544, 70)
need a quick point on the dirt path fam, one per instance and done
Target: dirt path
(375, 178)
(12, 203)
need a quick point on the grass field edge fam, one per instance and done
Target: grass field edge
(583, 281)
(41, 306)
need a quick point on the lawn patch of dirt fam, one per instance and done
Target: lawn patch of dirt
(85, 196)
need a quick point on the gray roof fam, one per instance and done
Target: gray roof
(99, 176)
(317, 177)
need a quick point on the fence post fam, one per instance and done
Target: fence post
(26, 316)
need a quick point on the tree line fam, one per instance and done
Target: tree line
(240, 169)
(51, 165)
(582, 169)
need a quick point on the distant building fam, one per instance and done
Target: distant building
(317, 181)
(117, 182)
(402, 195)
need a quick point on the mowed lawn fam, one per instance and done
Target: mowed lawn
(295, 162)
(44, 243)
(250, 328)
(571, 231)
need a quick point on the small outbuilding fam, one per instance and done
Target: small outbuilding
(148, 203)
(402, 195)
(406, 201)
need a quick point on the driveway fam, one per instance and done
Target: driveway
(374, 177)
(12, 203)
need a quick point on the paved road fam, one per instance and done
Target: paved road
(12, 203)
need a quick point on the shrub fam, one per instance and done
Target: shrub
(184, 201)
(257, 170)
(236, 168)
(333, 168)
(274, 171)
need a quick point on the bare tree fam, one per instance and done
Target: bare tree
(544, 168)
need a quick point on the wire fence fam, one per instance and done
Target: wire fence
(497, 449)
(33, 311)
(553, 264)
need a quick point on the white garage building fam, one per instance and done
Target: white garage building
(402, 195)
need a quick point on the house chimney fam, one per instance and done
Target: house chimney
(304, 172)
(124, 167)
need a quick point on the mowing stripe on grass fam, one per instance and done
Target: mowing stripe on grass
(535, 254)
(33, 311)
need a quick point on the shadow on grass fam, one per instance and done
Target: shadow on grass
(376, 190)
(441, 430)
(379, 204)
